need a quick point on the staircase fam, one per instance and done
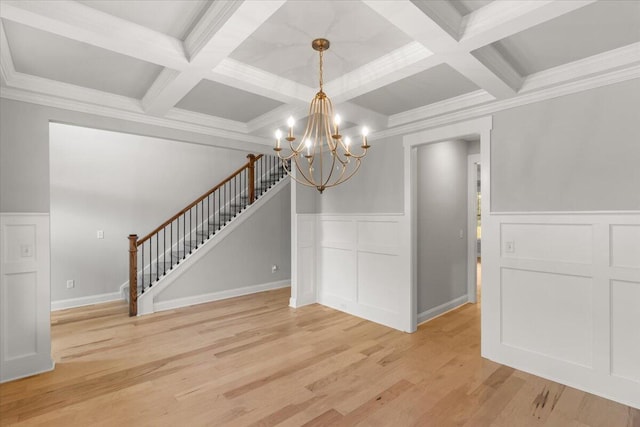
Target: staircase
(153, 256)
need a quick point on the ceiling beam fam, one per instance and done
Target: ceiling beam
(420, 21)
(251, 79)
(82, 23)
(501, 19)
(223, 27)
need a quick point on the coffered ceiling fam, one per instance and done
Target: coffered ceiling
(237, 69)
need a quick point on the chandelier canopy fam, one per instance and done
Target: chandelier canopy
(322, 157)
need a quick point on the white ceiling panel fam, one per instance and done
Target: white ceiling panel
(223, 101)
(53, 57)
(588, 31)
(282, 45)
(427, 87)
(173, 18)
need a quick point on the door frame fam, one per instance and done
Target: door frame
(473, 128)
(472, 223)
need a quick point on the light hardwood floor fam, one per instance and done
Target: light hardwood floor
(254, 361)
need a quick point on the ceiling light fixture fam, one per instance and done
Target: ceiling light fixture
(320, 140)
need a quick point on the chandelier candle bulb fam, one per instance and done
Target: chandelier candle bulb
(290, 123)
(278, 136)
(336, 122)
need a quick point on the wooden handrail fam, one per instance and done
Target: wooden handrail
(249, 165)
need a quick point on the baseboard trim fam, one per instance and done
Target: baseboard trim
(63, 304)
(220, 295)
(441, 309)
(47, 368)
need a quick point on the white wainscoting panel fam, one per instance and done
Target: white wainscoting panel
(625, 246)
(625, 329)
(549, 242)
(548, 314)
(25, 332)
(561, 298)
(360, 266)
(303, 262)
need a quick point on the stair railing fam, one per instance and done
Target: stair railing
(188, 229)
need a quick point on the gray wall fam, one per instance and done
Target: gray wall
(572, 153)
(121, 184)
(376, 188)
(442, 213)
(24, 149)
(575, 153)
(245, 257)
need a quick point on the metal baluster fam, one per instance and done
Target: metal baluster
(184, 235)
(142, 269)
(171, 246)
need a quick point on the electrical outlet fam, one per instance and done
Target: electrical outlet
(274, 268)
(509, 247)
(100, 234)
(71, 284)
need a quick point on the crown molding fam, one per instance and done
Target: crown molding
(248, 78)
(296, 110)
(601, 63)
(438, 108)
(206, 120)
(59, 89)
(82, 23)
(615, 76)
(83, 107)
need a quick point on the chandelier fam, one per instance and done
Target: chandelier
(322, 158)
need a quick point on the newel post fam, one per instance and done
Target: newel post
(252, 176)
(133, 274)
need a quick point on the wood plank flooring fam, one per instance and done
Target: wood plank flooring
(253, 361)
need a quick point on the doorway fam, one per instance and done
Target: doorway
(473, 129)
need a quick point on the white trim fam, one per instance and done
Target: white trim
(470, 99)
(219, 295)
(64, 304)
(518, 213)
(50, 366)
(480, 126)
(24, 213)
(434, 312)
(615, 76)
(472, 238)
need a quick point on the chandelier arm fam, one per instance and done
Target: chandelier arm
(348, 177)
(309, 182)
(364, 153)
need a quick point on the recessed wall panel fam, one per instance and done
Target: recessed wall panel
(337, 233)
(625, 246)
(19, 300)
(549, 314)
(19, 243)
(378, 236)
(625, 329)
(567, 243)
(378, 281)
(338, 273)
